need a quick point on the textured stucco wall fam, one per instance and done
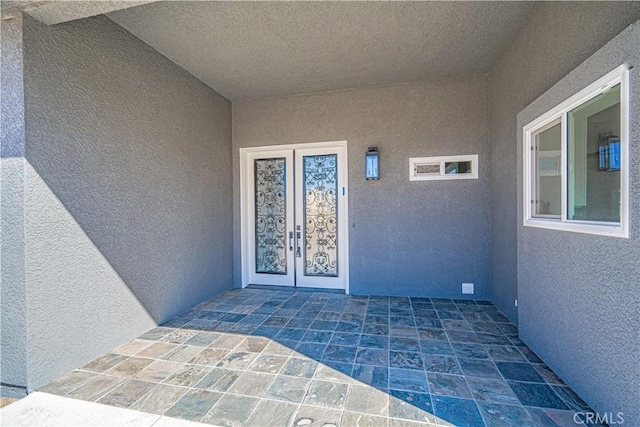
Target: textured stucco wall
(406, 238)
(557, 37)
(127, 193)
(579, 294)
(13, 324)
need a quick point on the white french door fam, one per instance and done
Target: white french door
(295, 215)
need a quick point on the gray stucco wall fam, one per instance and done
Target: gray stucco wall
(557, 37)
(579, 294)
(406, 238)
(127, 193)
(13, 323)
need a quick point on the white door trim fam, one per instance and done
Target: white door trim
(343, 212)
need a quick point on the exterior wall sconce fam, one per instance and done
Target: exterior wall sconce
(372, 164)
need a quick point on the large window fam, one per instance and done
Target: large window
(576, 159)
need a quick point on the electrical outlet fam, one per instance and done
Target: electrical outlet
(467, 288)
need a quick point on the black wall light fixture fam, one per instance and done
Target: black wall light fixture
(372, 164)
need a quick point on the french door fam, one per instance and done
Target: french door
(295, 216)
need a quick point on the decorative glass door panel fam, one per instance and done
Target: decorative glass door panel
(320, 174)
(295, 212)
(271, 219)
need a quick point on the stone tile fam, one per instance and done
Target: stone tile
(238, 360)
(375, 376)
(465, 350)
(268, 363)
(322, 337)
(202, 339)
(394, 422)
(209, 356)
(314, 416)
(353, 327)
(276, 321)
(291, 334)
(441, 364)
(299, 367)
(463, 336)
(158, 371)
(228, 341)
(188, 375)
(340, 353)
(252, 384)
(404, 344)
(492, 390)
(456, 325)
(96, 387)
(372, 356)
(127, 393)
(404, 331)
(156, 334)
(367, 400)
(277, 348)
(194, 405)
(267, 331)
(429, 323)
(290, 389)
(572, 400)
(353, 419)
(493, 339)
(479, 368)
(408, 379)
(311, 349)
(432, 334)
(538, 395)
(132, 347)
(374, 341)
(547, 374)
(436, 347)
(218, 380)
(529, 354)
(448, 385)
(344, 339)
(183, 353)
(406, 360)
(232, 411)
(104, 363)
(498, 415)
(253, 345)
(324, 325)
(130, 367)
(544, 417)
(411, 406)
(519, 372)
(159, 399)
(232, 317)
(327, 373)
(303, 323)
(326, 394)
(157, 350)
(179, 336)
(373, 329)
(272, 413)
(459, 412)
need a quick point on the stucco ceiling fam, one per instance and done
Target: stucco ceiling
(249, 50)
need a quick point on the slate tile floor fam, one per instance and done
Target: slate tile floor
(258, 357)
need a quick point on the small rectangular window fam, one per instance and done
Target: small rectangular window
(576, 161)
(442, 168)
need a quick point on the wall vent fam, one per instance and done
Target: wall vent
(444, 167)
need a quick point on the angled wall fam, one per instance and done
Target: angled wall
(579, 294)
(127, 194)
(420, 238)
(557, 37)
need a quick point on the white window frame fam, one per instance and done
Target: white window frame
(441, 160)
(618, 229)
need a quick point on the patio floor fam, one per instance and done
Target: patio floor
(258, 357)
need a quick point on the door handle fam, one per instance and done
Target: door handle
(298, 235)
(291, 240)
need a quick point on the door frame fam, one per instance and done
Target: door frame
(343, 212)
